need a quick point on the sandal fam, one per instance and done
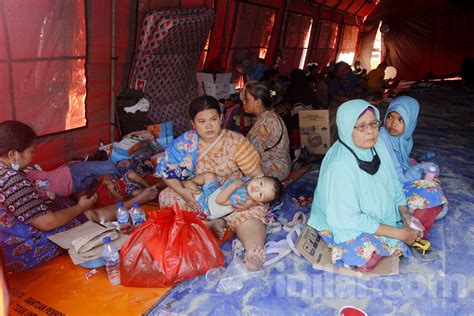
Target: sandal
(292, 238)
(298, 219)
(423, 251)
(275, 251)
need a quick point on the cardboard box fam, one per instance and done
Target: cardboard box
(318, 130)
(314, 249)
(218, 87)
(126, 147)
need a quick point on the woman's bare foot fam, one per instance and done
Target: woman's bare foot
(217, 226)
(254, 257)
(147, 194)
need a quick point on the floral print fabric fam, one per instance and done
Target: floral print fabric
(358, 251)
(422, 194)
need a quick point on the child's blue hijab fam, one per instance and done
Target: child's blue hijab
(408, 108)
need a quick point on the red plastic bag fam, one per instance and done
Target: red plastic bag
(171, 246)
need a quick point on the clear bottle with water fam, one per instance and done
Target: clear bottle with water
(123, 219)
(112, 261)
(431, 174)
(137, 214)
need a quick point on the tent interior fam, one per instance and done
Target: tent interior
(68, 69)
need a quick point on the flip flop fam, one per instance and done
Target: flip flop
(292, 238)
(298, 219)
(275, 251)
(423, 251)
(274, 227)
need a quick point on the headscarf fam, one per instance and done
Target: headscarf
(408, 108)
(348, 200)
(346, 119)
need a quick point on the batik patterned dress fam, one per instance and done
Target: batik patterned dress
(23, 245)
(231, 158)
(270, 138)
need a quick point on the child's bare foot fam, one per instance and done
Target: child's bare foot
(217, 226)
(147, 194)
(254, 257)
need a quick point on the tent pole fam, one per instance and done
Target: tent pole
(112, 76)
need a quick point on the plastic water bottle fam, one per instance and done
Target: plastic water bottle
(123, 219)
(137, 214)
(431, 174)
(112, 261)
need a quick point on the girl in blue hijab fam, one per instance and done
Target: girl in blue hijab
(360, 209)
(397, 134)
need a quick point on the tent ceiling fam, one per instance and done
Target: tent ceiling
(357, 7)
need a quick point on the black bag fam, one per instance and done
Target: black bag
(131, 122)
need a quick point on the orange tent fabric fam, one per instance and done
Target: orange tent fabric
(426, 38)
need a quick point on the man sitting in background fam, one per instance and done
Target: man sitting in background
(376, 83)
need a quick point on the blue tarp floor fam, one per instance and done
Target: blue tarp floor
(442, 287)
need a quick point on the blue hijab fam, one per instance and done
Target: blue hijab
(348, 201)
(401, 145)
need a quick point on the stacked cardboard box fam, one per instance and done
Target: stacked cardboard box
(219, 88)
(318, 130)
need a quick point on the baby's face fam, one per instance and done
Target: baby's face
(395, 124)
(261, 190)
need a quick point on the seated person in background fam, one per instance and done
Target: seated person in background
(376, 83)
(252, 68)
(322, 90)
(270, 75)
(300, 91)
(359, 72)
(262, 190)
(268, 134)
(345, 86)
(312, 75)
(397, 134)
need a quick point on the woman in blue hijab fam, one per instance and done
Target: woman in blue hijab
(360, 209)
(397, 134)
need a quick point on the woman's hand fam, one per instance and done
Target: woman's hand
(243, 206)
(188, 196)
(86, 203)
(409, 235)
